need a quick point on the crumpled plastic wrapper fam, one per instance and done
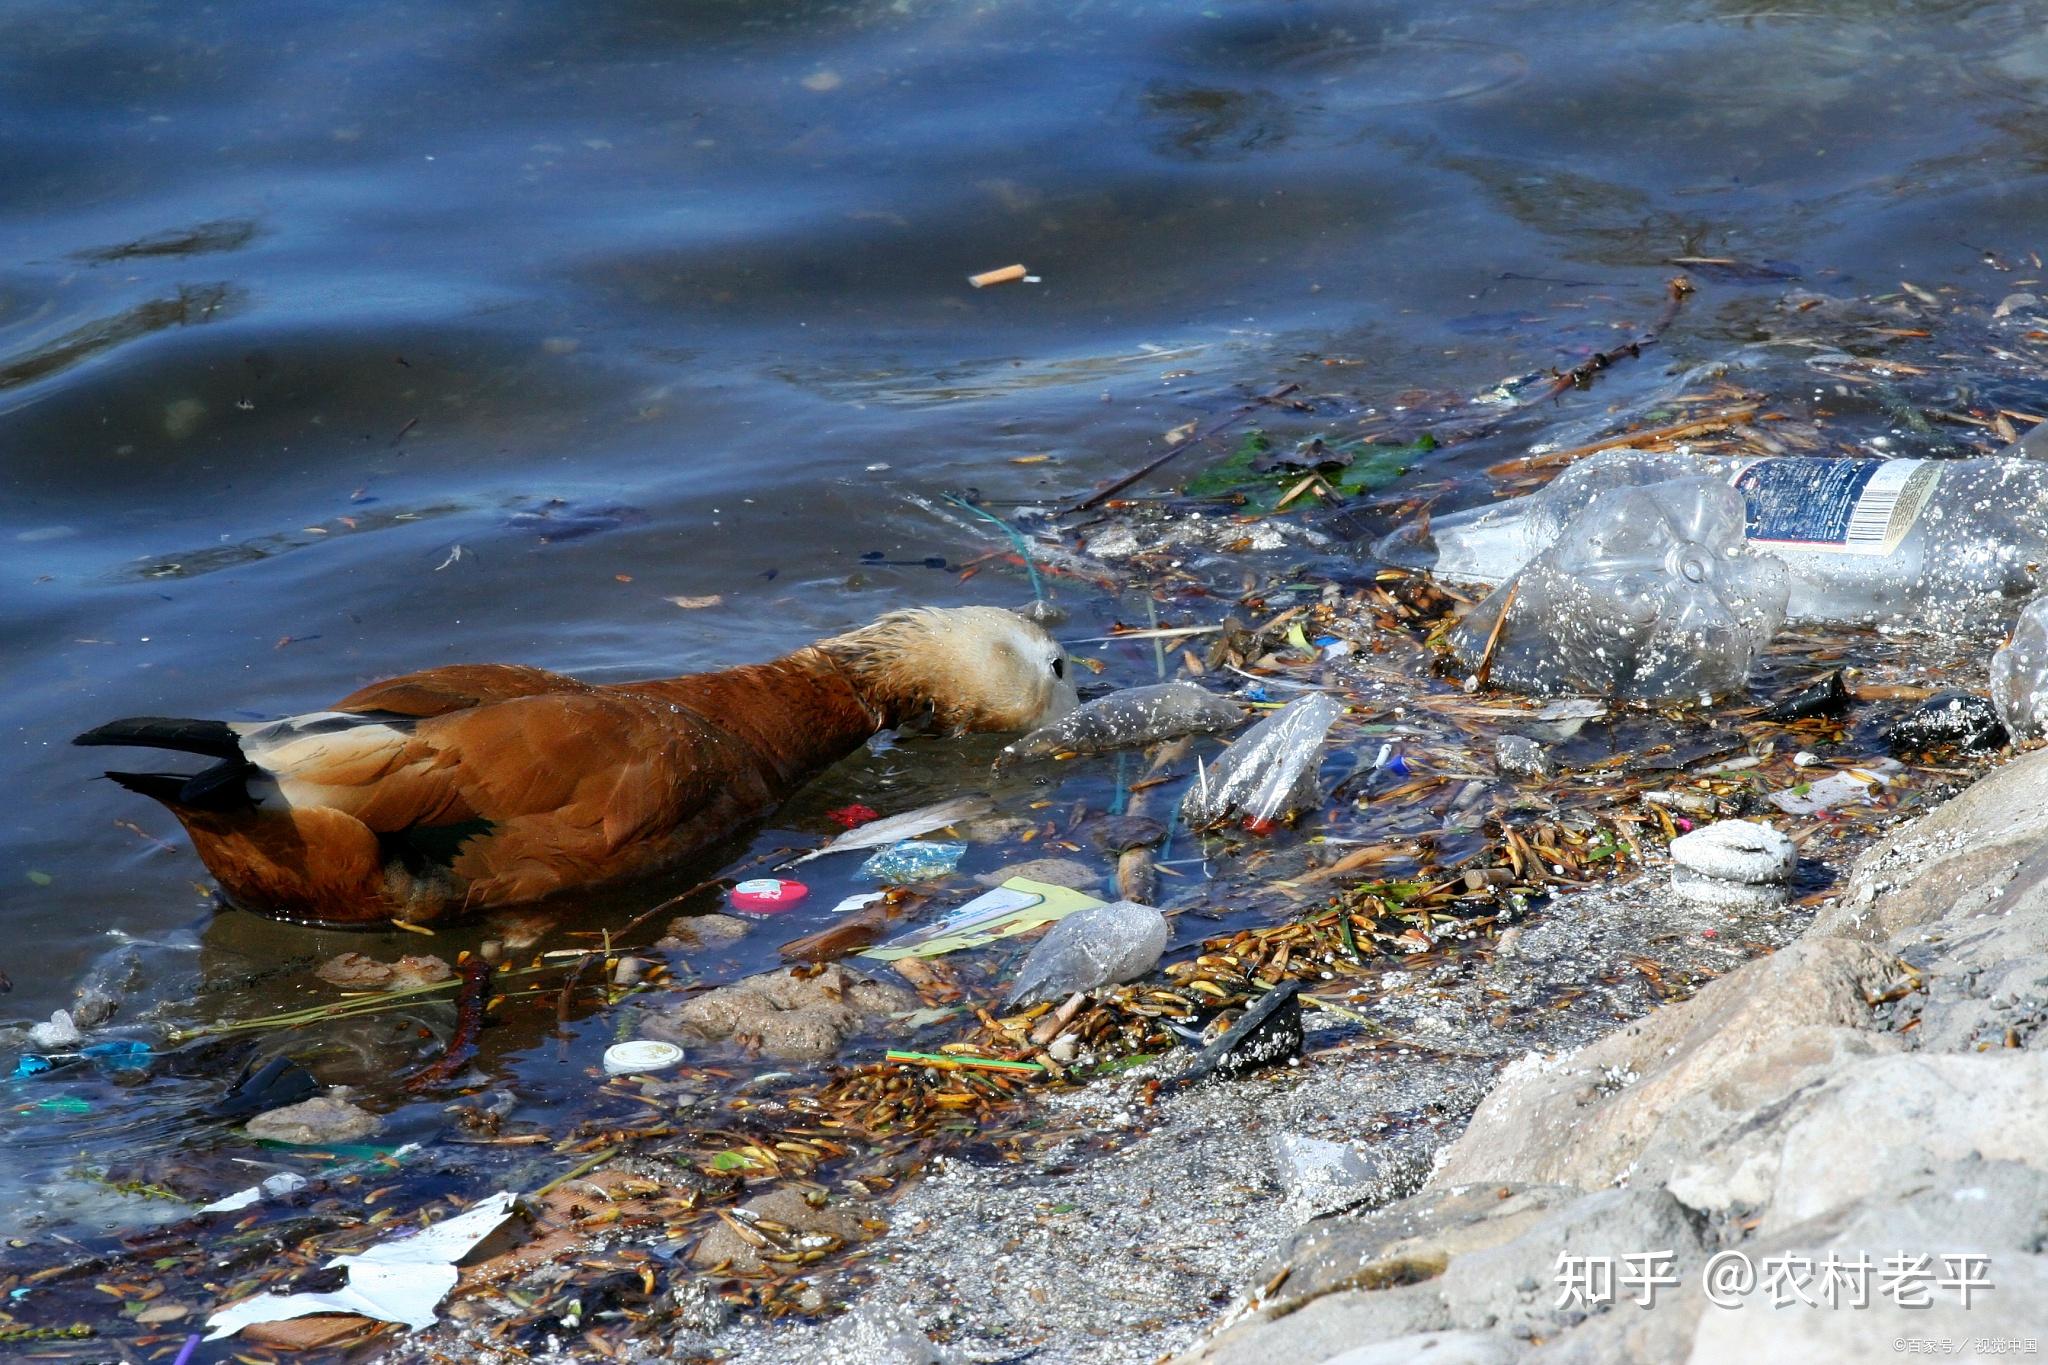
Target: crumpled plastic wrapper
(1137, 715)
(1269, 772)
(1649, 594)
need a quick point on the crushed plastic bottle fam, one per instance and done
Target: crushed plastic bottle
(1648, 594)
(2019, 674)
(1089, 949)
(1138, 715)
(1927, 544)
(1269, 772)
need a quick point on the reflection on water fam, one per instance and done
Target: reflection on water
(189, 307)
(652, 303)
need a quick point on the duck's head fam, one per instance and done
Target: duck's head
(957, 668)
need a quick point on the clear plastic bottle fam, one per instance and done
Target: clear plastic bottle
(1649, 594)
(1926, 544)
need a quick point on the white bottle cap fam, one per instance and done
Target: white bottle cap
(624, 1059)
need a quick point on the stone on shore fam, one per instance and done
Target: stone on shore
(783, 1014)
(1872, 1091)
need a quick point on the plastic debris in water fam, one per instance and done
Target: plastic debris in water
(1861, 783)
(1018, 906)
(56, 1033)
(1138, 715)
(913, 860)
(760, 896)
(1269, 772)
(639, 1056)
(278, 1082)
(1959, 721)
(923, 820)
(2019, 674)
(118, 1054)
(854, 816)
(1099, 946)
(1935, 544)
(1270, 1031)
(276, 1187)
(1648, 595)
(402, 1280)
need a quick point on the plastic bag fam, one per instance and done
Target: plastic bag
(1650, 594)
(1269, 772)
(1091, 948)
(1139, 715)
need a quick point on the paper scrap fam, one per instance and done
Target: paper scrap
(1018, 906)
(1861, 783)
(403, 1280)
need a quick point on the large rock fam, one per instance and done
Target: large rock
(1479, 1258)
(1653, 1095)
(1879, 1126)
(1955, 861)
(789, 1014)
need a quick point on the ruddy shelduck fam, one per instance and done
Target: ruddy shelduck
(437, 794)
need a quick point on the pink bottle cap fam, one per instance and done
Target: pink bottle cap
(767, 896)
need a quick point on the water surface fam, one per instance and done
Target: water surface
(340, 341)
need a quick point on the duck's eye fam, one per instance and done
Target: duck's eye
(1059, 667)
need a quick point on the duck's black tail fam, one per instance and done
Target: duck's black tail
(223, 784)
(209, 737)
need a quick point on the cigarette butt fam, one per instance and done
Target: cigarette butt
(1009, 274)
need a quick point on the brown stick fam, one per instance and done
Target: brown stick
(1222, 423)
(1550, 458)
(1676, 291)
(1580, 376)
(470, 1001)
(1507, 603)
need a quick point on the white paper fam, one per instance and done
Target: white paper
(908, 825)
(1861, 783)
(403, 1280)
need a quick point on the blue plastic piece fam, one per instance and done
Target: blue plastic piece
(32, 1065)
(913, 860)
(119, 1054)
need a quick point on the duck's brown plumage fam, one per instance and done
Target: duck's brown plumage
(442, 792)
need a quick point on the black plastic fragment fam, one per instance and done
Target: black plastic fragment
(278, 1082)
(1269, 1032)
(1828, 697)
(1961, 721)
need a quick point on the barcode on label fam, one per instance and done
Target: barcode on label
(1833, 506)
(1870, 523)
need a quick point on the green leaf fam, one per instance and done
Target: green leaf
(1234, 473)
(1372, 466)
(40, 878)
(731, 1161)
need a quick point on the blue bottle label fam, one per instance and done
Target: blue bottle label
(1858, 507)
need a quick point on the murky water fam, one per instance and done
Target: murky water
(336, 342)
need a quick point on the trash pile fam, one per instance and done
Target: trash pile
(1301, 779)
